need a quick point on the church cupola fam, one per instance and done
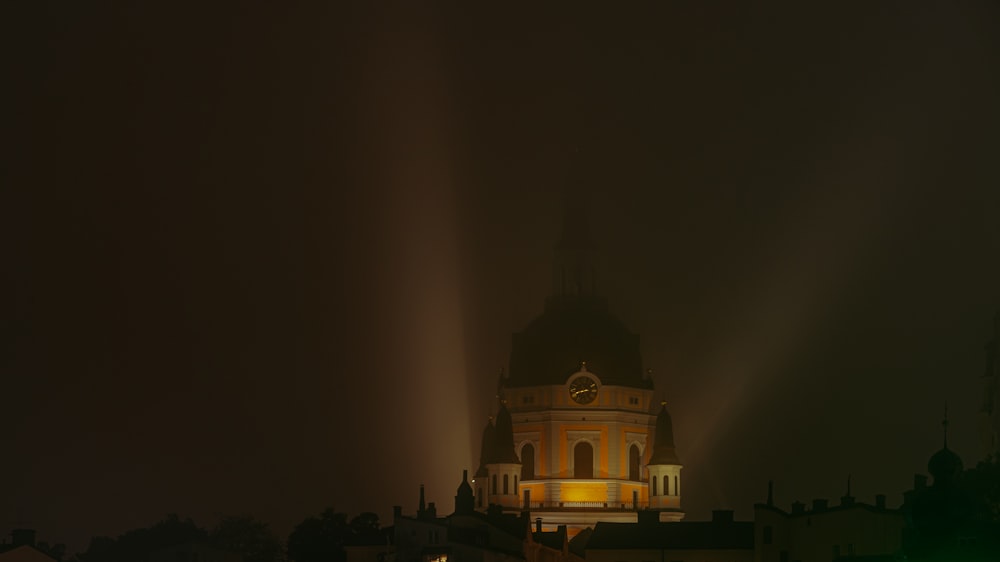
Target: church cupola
(665, 470)
(503, 468)
(945, 466)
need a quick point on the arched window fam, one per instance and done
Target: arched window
(653, 481)
(666, 485)
(634, 462)
(494, 484)
(528, 462)
(677, 487)
(515, 484)
(506, 484)
(583, 460)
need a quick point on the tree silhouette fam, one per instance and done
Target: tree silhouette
(321, 539)
(135, 545)
(248, 537)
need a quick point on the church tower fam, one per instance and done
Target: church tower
(573, 432)
(665, 470)
(503, 468)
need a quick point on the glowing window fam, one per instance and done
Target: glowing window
(506, 484)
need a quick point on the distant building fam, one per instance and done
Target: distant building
(824, 533)
(22, 548)
(376, 547)
(720, 540)
(573, 438)
(956, 517)
(25, 553)
(468, 535)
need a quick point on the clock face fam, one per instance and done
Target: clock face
(583, 390)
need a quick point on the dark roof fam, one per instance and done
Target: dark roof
(664, 451)
(680, 535)
(573, 329)
(503, 438)
(550, 539)
(578, 544)
(498, 442)
(812, 512)
(484, 449)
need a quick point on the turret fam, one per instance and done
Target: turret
(665, 470)
(503, 468)
(481, 478)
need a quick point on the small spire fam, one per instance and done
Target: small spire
(583, 366)
(500, 384)
(422, 506)
(944, 425)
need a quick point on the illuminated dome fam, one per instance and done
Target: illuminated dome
(574, 329)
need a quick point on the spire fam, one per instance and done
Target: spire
(944, 425)
(944, 465)
(485, 447)
(847, 498)
(664, 451)
(501, 384)
(574, 272)
(502, 449)
(992, 348)
(422, 506)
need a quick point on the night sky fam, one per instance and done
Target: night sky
(265, 260)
